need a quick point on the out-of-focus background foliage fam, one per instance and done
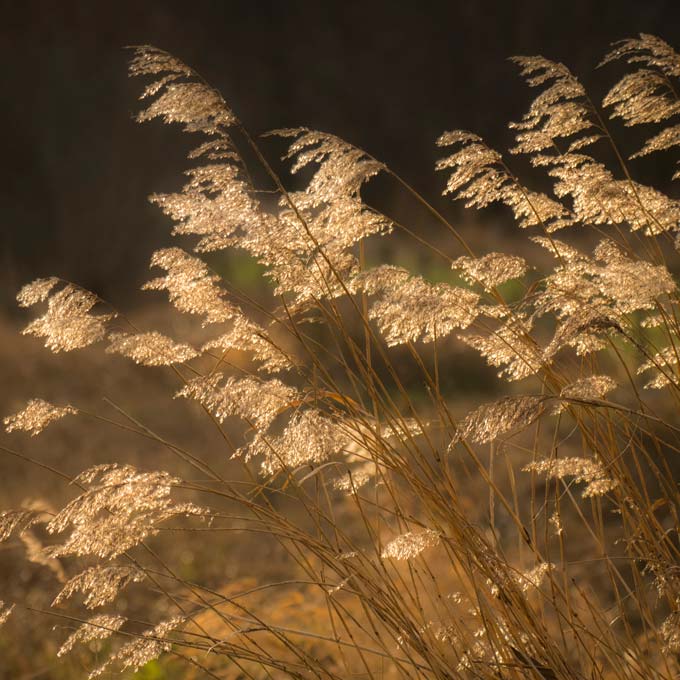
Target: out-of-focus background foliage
(76, 171)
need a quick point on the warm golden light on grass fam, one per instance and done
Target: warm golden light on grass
(531, 536)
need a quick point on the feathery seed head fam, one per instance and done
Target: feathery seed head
(100, 584)
(509, 348)
(583, 470)
(247, 336)
(36, 416)
(256, 401)
(408, 308)
(68, 323)
(190, 285)
(590, 388)
(150, 349)
(97, 627)
(36, 291)
(492, 269)
(13, 520)
(489, 421)
(411, 544)
(119, 508)
(310, 437)
(141, 650)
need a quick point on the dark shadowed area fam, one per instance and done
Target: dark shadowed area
(387, 76)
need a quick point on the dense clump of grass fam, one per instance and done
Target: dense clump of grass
(569, 565)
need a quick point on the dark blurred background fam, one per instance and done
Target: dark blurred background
(387, 76)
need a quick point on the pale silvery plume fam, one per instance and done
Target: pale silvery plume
(100, 584)
(36, 416)
(647, 49)
(592, 296)
(489, 421)
(247, 336)
(481, 178)
(562, 112)
(610, 281)
(361, 473)
(408, 308)
(629, 284)
(590, 388)
(569, 288)
(492, 269)
(525, 580)
(563, 251)
(663, 366)
(599, 198)
(587, 330)
(191, 287)
(36, 291)
(257, 401)
(409, 545)
(583, 470)
(585, 320)
(143, 649)
(118, 509)
(308, 244)
(312, 251)
(559, 112)
(642, 97)
(647, 95)
(98, 627)
(12, 521)
(310, 437)
(510, 348)
(150, 349)
(342, 168)
(68, 323)
(314, 262)
(181, 96)
(218, 202)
